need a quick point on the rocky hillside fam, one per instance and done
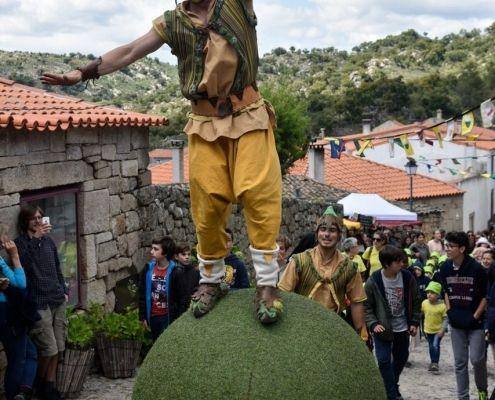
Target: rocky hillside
(405, 77)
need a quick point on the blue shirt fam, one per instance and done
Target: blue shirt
(16, 277)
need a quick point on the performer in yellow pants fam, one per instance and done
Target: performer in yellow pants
(232, 152)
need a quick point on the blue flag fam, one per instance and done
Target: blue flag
(337, 146)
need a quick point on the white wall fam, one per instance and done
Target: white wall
(477, 201)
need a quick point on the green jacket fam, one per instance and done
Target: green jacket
(377, 309)
(233, 20)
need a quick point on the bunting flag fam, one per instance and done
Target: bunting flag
(438, 162)
(467, 124)
(450, 131)
(429, 142)
(456, 161)
(487, 113)
(337, 146)
(486, 175)
(462, 172)
(361, 147)
(421, 137)
(452, 171)
(429, 167)
(436, 130)
(403, 142)
(391, 147)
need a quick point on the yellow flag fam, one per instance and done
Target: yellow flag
(486, 175)
(406, 145)
(436, 129)
(361, 147)
(467, 123)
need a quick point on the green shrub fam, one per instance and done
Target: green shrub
(310, 354)
(79, 331)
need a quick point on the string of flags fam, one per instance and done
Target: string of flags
(402, 140)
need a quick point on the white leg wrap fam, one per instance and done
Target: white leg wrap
(211, 271)
(266, 266)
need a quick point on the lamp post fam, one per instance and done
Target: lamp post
(411, 168)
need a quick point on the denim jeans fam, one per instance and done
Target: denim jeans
(392, 357)
(434, 347)
(158, 325)
(21, 357)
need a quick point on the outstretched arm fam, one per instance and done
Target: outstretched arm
(113, 60)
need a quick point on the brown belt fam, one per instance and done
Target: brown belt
(223, 107)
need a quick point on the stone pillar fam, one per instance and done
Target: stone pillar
(177, 147)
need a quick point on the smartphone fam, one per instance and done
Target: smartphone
(45, 220)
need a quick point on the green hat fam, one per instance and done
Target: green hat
(330, 211)
(434, 287)
(329, 218)
(408, 251)
(411, 261)
(442, 259)
(417, 266)
(435, 254)
(431, 263)
(428, 269)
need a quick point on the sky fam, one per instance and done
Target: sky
(92, 26)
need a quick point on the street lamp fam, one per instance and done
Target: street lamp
(411, 168)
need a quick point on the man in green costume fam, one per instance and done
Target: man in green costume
(232, 153)
(326, 275)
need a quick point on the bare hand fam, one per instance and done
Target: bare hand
(379, 329)
(9, 247)
(4, 283)
(145, 324)
(42, 230)
(413, 330)
(67, 79)
(441, 334)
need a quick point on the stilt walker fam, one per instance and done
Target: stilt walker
(232, 153)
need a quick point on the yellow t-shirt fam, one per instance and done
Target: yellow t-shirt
(371, 254)
(434, 315)
(359, 261)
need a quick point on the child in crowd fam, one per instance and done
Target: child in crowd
(160, 292)
(435, 322)
(236, 275)
(188, 273)
(422, 281)
(393, 312)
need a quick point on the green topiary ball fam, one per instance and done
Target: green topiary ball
(310, 354)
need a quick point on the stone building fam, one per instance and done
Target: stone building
(86, 166)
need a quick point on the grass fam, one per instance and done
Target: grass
(310, 354)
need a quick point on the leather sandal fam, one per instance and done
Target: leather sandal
(268, 304)
(206, 297)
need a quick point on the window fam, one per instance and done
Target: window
(61, 206)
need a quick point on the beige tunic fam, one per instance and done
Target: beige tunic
(221, 62)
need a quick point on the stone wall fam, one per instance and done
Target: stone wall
(109, 166)
(445, 213)
(164, 210)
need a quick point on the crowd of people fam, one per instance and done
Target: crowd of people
(391, 286)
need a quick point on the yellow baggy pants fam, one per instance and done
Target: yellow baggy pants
(244, 170)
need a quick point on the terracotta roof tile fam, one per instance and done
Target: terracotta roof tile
(363, 176)
(161, 174)
(24, 107)
(160, 153)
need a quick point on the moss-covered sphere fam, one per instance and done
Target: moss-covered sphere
(310, 354)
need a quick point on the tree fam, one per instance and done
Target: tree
(292, 123)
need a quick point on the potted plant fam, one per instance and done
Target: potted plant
(78, 356)
(118, 341)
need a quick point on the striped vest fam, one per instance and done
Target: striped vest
(309, 277)
(232, 20)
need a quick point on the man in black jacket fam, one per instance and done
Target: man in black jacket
(465, 284)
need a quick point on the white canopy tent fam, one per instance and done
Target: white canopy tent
(375, 206)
